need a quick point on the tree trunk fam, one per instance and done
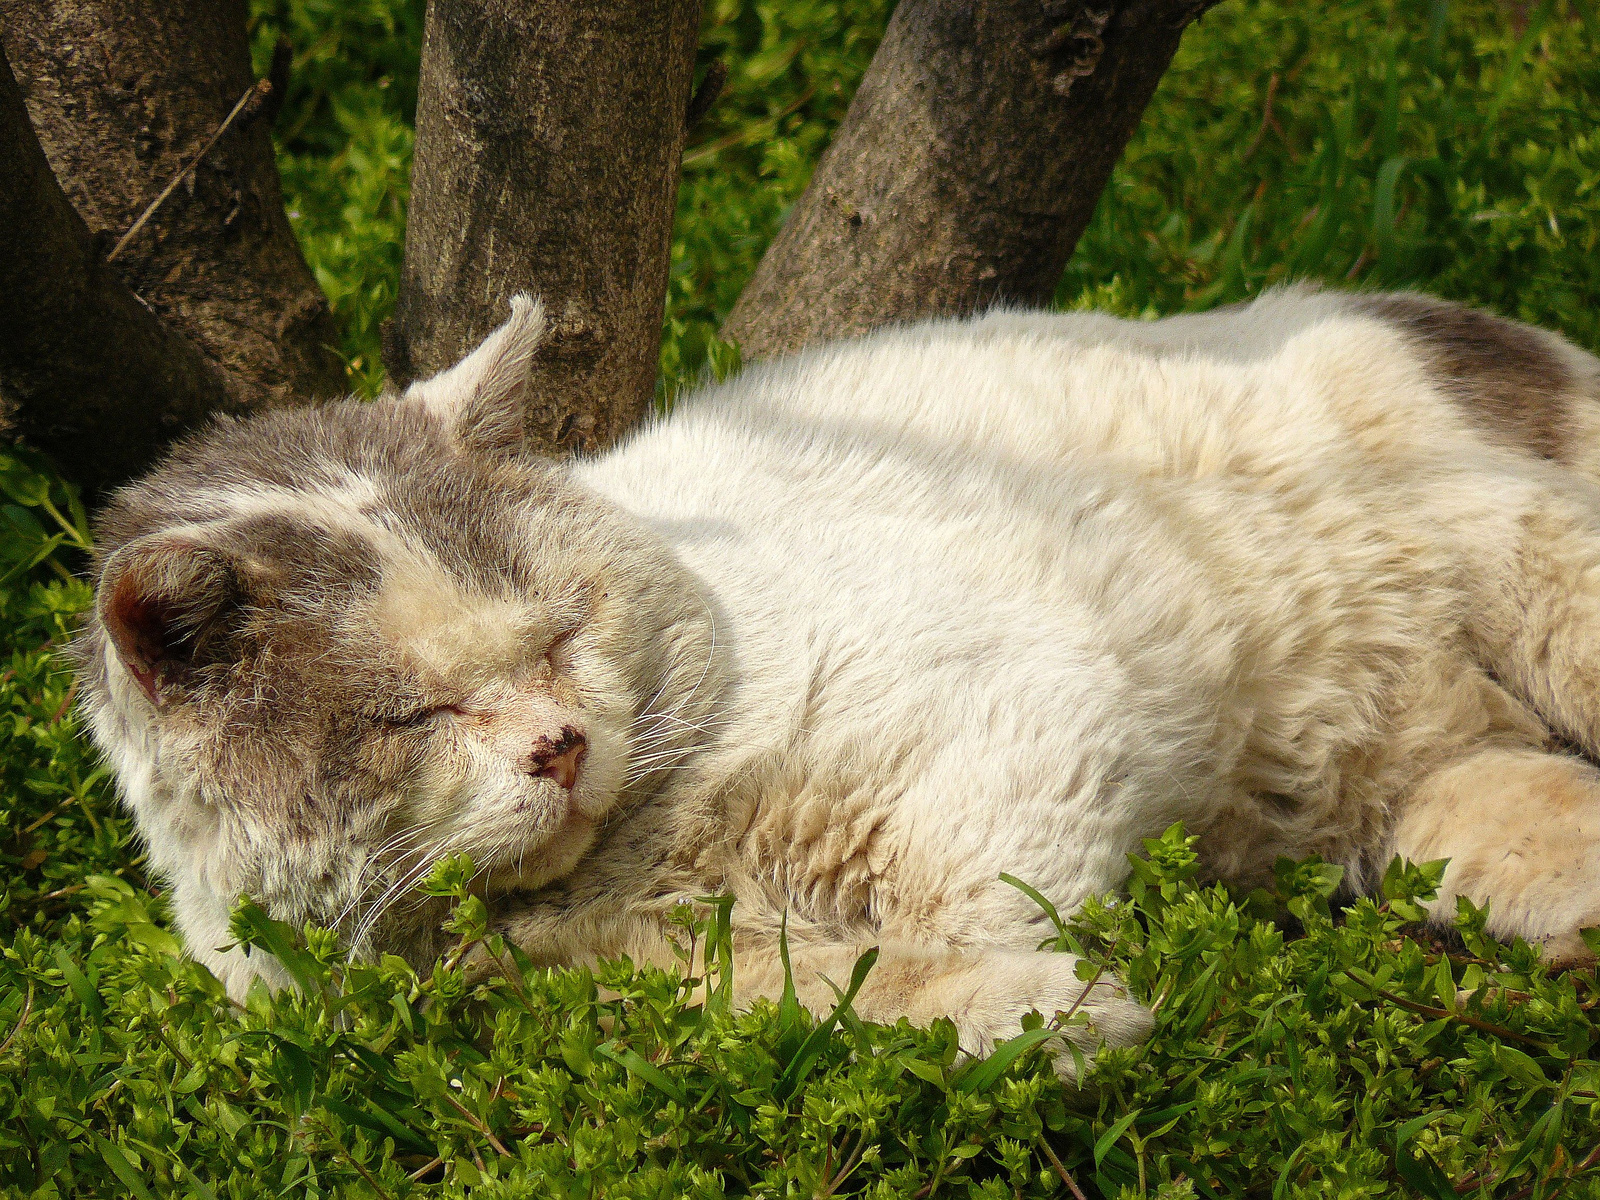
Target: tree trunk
(549, 136)
(968, 164)
(122, 94)
(87, 373)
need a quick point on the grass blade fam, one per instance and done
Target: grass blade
(986, 1072)
(811, 1049)
(647, 1071)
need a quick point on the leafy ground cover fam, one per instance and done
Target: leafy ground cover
(1300, 1050)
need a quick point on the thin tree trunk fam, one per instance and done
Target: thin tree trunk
(122, 94)
(966, 168)
(87, 373)
(549, 139)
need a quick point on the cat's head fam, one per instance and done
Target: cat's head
(331, 644)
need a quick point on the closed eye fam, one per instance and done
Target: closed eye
(558, 651)
(417, 718)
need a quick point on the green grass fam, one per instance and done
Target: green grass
(1451, 147)
(1298, 1053)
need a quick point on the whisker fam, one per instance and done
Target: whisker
(409, 878)
(398, 846)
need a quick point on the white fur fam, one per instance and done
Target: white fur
(1011, 594)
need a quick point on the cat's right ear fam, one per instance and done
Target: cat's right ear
(166, 604)
(481, 400)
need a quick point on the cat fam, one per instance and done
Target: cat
(855, 632)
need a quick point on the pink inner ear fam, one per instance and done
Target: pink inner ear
(143, 629)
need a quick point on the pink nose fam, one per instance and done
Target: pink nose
(560, 758)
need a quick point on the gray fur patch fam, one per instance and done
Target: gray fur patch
(1509, 378)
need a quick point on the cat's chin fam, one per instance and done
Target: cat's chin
(559, 852)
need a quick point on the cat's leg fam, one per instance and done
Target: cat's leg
(1536, 614)
(985, 992)
(1521, 829)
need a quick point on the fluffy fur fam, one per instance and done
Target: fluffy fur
(858, 631)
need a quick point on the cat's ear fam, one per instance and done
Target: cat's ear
(167, 604)
(482, 398)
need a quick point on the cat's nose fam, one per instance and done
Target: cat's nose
(559, 758)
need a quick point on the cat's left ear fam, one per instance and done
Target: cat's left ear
(481, 399)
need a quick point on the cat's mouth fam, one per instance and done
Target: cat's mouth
(540, 819)
(573, 814)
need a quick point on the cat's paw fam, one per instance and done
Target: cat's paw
(1521, 832)
(1011, 984)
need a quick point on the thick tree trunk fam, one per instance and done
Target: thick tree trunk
(967, 166)
(549, 136)
(122, 94)
(87, 373)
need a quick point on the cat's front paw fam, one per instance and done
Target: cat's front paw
(1011, 984)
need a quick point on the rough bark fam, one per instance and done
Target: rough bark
(122, 94)
(87, 373)
(966, 167)
(549, 136)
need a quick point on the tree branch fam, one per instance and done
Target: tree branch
(87, 373)
(966, 168)
(548, 144)
(123, 95)
(549, 135)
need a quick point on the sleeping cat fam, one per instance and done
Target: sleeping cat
(854, 633)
